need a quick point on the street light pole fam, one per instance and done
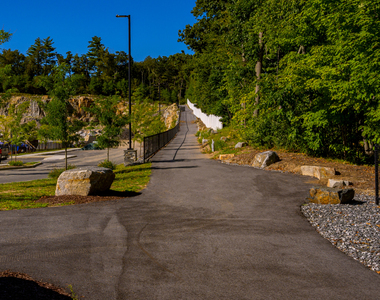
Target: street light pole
(129, 76)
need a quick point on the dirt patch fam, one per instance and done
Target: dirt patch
(362, 177)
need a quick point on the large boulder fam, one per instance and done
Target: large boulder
(325, 195)
(318, 172)
(84, 181)
(264, 159)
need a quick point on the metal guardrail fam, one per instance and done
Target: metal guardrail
(153, 143)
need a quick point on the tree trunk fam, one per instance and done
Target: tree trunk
(258, 69)
(243, 59)
(108, 153)
(278, 60)
(368, 147)
(301, 50)
(65, 156)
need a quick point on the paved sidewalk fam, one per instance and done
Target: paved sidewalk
(201, 230)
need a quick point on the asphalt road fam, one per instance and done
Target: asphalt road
(81, 158)
(200, 230)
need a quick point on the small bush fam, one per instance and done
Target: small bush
(220, 145)
(56, 172)
(107, 164)
(16, 163)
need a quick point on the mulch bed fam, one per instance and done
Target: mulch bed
(363, 177)
(58, 200)
(73, 199)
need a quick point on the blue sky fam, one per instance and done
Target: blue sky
(72, 23)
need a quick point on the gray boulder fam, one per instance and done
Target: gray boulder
(84, 181)
(240, 145)
(264, 159)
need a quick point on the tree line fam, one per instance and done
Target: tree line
(98, 72)
(297, 74)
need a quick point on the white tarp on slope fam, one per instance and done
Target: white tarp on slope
(210, 121)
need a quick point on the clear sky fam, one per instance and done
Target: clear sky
(72, 23)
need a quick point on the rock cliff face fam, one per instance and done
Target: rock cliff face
(77, 107)
(171, 116)
(34, 111)
(36, 104)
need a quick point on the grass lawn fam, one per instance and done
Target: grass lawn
(21, 195)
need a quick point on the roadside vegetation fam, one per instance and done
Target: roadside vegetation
(20, 195)
(18, 163)
(296, 75)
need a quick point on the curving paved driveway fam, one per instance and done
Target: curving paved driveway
(50, 161)
(200, 230)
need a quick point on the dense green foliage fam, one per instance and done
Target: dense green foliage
(56, 125)
(98, 72)
(296, 74)
(106, 112)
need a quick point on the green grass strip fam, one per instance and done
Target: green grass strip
(20, 195)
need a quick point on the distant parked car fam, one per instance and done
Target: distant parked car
(3, 152)
(91, 146)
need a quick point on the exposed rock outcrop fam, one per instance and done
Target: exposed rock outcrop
(171, 115)
(35, 110)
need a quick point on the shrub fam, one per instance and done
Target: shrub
(16, 163)
(107, 164)
(219, 145)
(56, 172)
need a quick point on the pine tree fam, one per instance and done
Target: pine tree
(5, 36)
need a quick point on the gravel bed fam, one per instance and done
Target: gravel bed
(352, 228)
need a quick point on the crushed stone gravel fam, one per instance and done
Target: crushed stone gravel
(353, 228)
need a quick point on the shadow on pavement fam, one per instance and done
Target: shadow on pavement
(119, 194)
(167, 161)
(21, 289)
(184, 167)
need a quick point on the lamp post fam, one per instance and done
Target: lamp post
(129, 76)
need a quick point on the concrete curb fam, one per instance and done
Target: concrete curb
(19, 167)
(47, 153)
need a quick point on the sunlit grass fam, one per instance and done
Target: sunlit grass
(20, 195)
(131, 178)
